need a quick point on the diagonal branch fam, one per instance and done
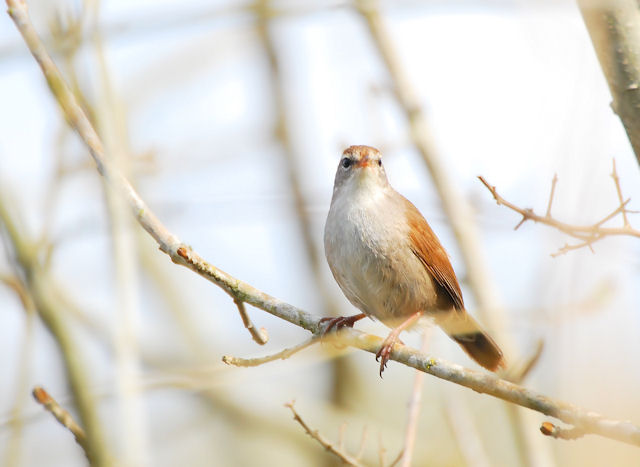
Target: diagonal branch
(182, 254)
(64, 418)
(315, 434)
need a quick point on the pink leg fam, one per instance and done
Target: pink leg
(387, 346)
(340, 322)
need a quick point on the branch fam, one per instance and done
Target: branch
(64, 418)
(315, 434)
(282, 355)
(260, 336)
(38, 284)
(182, 254)
(614, 27)
(587, 234)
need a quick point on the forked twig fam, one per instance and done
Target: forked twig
(587, 234)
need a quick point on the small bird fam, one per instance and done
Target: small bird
(389, 263)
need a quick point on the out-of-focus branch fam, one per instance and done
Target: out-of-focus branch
(42, 292)
(64, 418)
(614, 27)
(315, 434)
(14, 443)
(344, 378)
(454, 205)
(586, 234)
(181, 254)
(413, 412)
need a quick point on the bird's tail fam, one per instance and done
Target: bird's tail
(466, 331)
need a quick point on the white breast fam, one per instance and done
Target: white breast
(366, 244)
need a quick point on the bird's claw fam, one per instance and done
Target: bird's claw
(340, 322)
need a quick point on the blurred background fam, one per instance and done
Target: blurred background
(229, 118)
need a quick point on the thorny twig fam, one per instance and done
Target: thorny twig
(182, 254)
(315, 434)
(587, 234)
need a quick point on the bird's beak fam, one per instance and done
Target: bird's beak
(363, 162)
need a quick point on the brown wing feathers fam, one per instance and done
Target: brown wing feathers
(426, 246)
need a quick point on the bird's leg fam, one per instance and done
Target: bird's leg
(340, 322)
(387, 346)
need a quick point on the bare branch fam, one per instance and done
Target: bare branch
(40, 288)
(587, 234)
(315, 434)
(282, 355)
(64, 418)
(614, 27)
(182, 254)
(260, 336)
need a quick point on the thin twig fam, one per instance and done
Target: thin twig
(260, 336)
(616, 181)
(282, 355)
(315, 434)
(397, 459)
(64, 418)
(413, 411)
(517, 374)
(382, 451)
(182, 254)
(363, 442)
(549, 429)
(553, 192)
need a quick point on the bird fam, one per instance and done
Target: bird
(389, 263)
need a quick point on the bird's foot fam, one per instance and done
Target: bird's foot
(340, 322)
(386, 348)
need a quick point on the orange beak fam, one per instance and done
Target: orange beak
(364, 162)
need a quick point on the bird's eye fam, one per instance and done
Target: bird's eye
(346, 162)
(379, 162)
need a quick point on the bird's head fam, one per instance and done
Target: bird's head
(360, 168)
